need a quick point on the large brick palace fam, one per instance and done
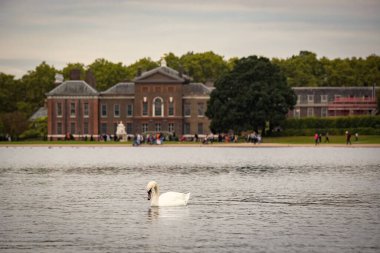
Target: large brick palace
(159, 100)
(165, 100)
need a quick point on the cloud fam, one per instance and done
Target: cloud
(81, 31)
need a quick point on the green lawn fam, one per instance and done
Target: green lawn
(364, 139)
(338, 139)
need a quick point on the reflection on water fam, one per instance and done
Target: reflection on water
(242, 200)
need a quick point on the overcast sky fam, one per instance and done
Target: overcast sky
(62, 31)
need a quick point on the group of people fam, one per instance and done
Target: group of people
(254, 138)
(318, 138)
(157, 138)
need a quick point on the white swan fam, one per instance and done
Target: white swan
(167, 198)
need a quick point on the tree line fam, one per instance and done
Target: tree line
(19, 98)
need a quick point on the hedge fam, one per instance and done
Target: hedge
(367, 125)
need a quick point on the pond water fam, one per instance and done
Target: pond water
(93, 199)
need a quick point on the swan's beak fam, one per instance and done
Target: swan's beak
(149, 194)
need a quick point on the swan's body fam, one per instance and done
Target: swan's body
(167, 198)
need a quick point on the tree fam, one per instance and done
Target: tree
(144, 64)
(8, 93)
(71, 66)
(253, 93)
(108, 73)
(203, 67)
(34, 85)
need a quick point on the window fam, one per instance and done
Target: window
(129, 110)
(187, 109)
(103, 128)
(85, 128)
(171, 127)
(59, 128)
(116, 110)
(145, 109)
(72, 109)
(171, 109)
(298, 99)
(323, 112)
(72, 128)
(144, 128)
(324, 98)
(129, 128)
(310, 99)
(186, 128)
(104, 110)
(158, 127)
(59, 109)
(158, 107)
(310, 112)
(200, 128)
(337, 97)
(85, 110)
(201, 109)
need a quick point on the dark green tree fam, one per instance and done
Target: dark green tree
(253, 93)
(9, 88)
(34, 85)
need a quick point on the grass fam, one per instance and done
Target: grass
(364, 139)
(334, 139)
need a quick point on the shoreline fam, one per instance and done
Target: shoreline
(191, 145)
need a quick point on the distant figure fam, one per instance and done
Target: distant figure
(348, 138)
(327, 138)
(356, 136)
(320, 138)
(316, 138)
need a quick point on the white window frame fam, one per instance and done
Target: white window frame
(324, 112)
(114, 110)
(201, 105)
(184, 109)
(324, 98)
(144, 127)
(171, 105)
(154, 107)
(310, 111)
(171, 127)
(73, 110)
(310, 99)
(129, 114)
(86, 110)
(143, 113)
(101, 110)
(59, 111)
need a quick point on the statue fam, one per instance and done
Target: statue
(120, 132)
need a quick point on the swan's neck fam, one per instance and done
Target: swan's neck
(155, 196)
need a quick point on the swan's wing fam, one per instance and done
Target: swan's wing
(174, 199)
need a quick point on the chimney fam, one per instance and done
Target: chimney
(75, 74)
(139, 72)
(90, 78)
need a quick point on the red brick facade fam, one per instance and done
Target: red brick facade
(155, 102)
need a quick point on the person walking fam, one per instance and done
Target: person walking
(327, 138)
(348, 138)
(316, 138)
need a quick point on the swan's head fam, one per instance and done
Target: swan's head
(152, 186)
